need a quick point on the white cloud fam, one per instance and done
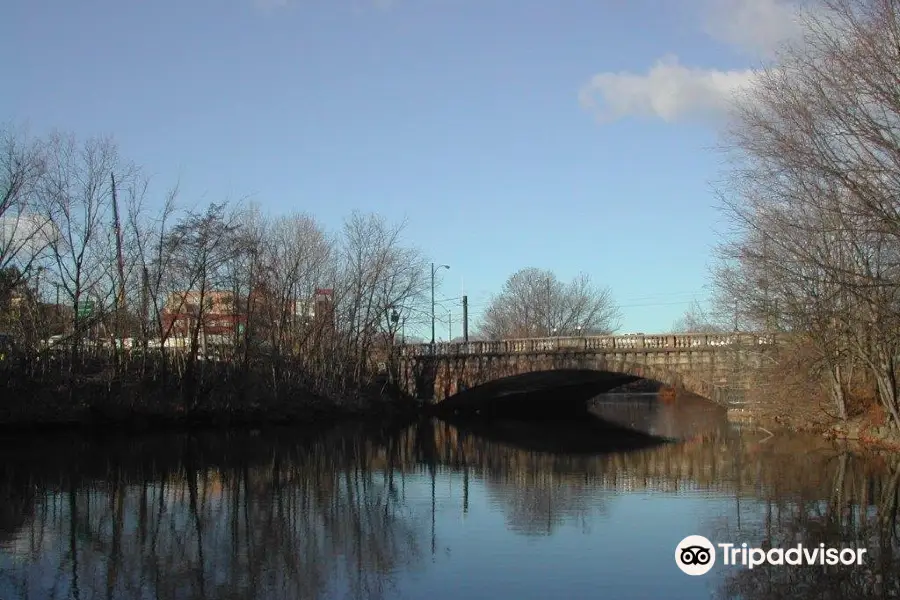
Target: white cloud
(24, 236)
(669, 91)
(672, 91)
(757, 27)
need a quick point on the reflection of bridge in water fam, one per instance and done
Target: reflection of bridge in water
(677, 419)
(717, 460)
(721, 461)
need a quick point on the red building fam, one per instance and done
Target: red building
(220, 317)
(224, 316)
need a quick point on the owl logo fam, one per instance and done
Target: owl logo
(695, 555)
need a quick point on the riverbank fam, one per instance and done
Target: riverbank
(92, 419)
(867, 429)
(101, 407)
(790, 394)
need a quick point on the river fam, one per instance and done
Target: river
(435, 511)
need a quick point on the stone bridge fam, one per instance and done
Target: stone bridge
(713, 366)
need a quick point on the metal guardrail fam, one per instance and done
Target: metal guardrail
(607, 343)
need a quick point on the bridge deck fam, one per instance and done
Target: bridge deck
(592, 344)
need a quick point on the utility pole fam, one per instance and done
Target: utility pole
(120, 296)
(433, 269)
(466, 319)
(145, 307)
(432, 304)
(449, 326)
(735, 315)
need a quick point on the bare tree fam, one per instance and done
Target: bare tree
(24, 231)
(535, 303)
(154, 258)
(245, 276)
(201, 245)
(297, 254)
(697, 319)
(813, 194)
(75, 193)
(287, 306)
(377, 273)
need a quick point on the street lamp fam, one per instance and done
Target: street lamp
(393, 322)
(433, 270)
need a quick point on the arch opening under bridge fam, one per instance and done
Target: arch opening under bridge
(538, 394)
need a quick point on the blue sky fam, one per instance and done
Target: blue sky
(572, 135)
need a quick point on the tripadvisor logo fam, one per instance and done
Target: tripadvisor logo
(696, 555)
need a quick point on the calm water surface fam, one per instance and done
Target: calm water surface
(437, 512)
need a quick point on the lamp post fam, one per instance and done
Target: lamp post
(37, 286)
(394, 317)
(735, 300)
(433, 270)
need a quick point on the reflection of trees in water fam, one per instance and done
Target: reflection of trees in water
(274, 517)
(540, 505)
(539, 488)
(294, 526)
(858, 508)
(16, 507)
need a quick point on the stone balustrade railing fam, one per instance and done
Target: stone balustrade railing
(605, 343)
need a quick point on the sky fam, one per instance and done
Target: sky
(575, 135)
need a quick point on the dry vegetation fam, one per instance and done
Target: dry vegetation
(81, 228)
(812, 192)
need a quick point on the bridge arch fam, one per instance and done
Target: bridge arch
(704, 364)
(438, 378)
